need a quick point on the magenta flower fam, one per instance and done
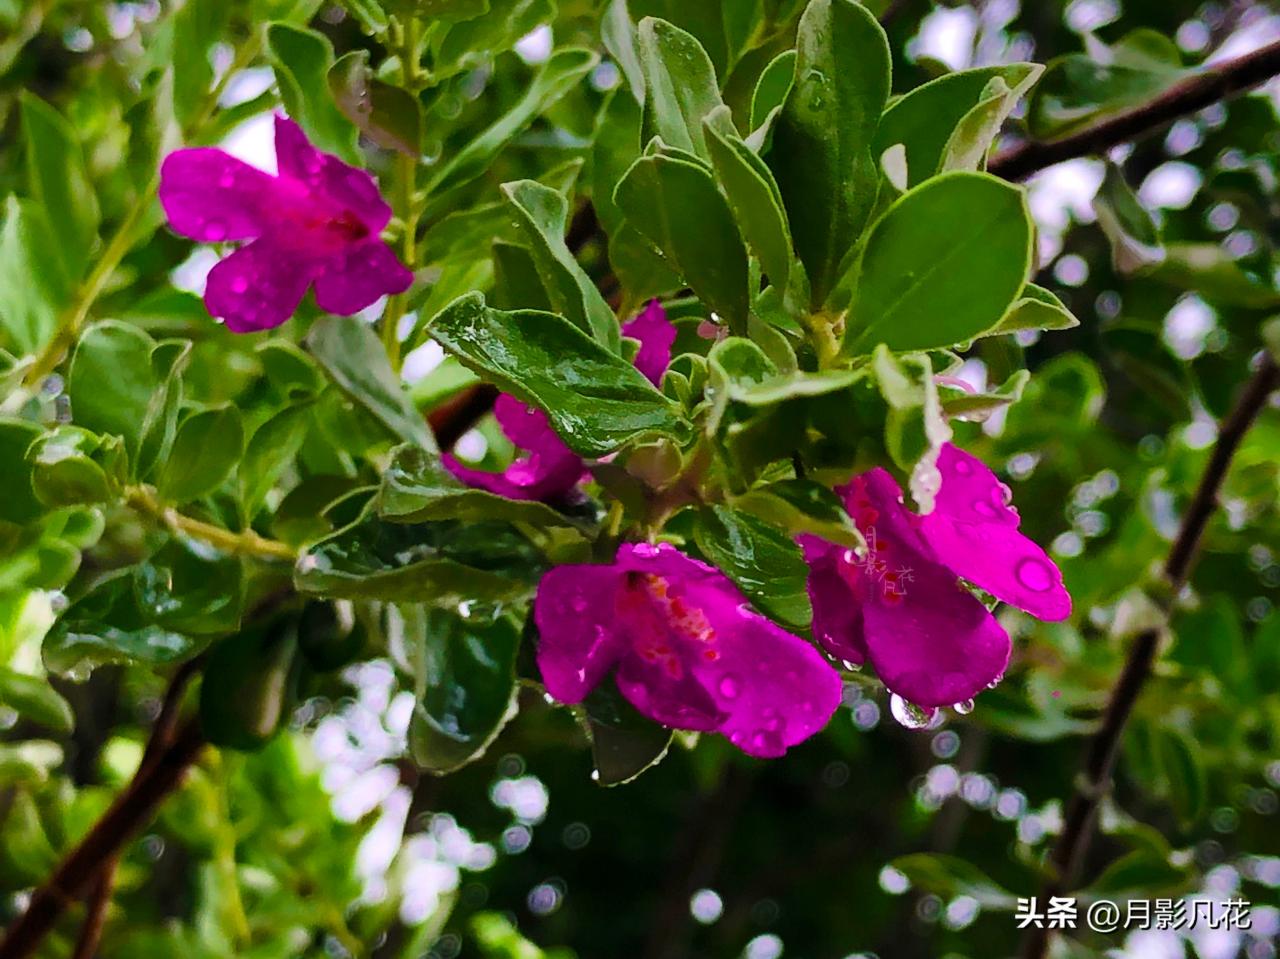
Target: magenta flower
(902, 605)
(550, 470)
(688, 650)
(317, 222)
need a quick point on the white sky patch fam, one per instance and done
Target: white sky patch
(422, 361)
(254, 142)
(535, 46)
(246, 85)
(1171, 185)
(1256, 30)
(1061, 195)
(192, 273)
(947, 35)
(1187, 325)
(1084, 16)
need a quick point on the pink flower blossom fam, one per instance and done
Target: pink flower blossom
(316, 223)
(687, 649)
(902, 605)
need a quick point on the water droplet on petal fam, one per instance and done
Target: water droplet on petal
(962, 467)
(909, 714)
(227, 180)
(964, 708)
(215, 231)
(983, 508)
(239, 284)
(730, 687)
(578, 604)
(1035, 575)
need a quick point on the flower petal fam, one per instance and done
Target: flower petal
(837, 613)
(257, 287)
(577, 644)
(549, 471)
(357, 276)
(935, 644)
(688, 622)
(929, 639)
(344, 186)
(211, 196)
(974, 531)
(656, 334)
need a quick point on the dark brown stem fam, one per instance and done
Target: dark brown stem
(1095, 776)
(96, 911)
(1194, 93)
(83, 866)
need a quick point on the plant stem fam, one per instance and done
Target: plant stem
(1196, 92)
(406, 184)
(82, 867)
(245, 543)
(1094, 778)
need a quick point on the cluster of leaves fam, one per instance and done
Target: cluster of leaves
(275, 505)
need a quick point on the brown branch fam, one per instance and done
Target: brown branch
(1094, 779)
(96, 915)
(84, 866)
(1196, 92)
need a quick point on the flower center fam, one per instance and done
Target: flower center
(661, 621)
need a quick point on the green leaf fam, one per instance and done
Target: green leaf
(34, 699)
(57, 181)
(476, 41)
(962, 404)
(675, 204)
(619, 36)
(185, 586)
(543, 217)
(971, 141)
(111, 380)
(821, 151)
(19, 503)
(352, 355)
(950, 876)
(66, 470)
(923, 120)
(772, 89)
(802, 506)
(595, 399)
(416, 488)
(747, 375)
(197, 26)
(1077, 91)
(421, 563)
(465, 688)
(389, 116)
(558, 76)
(1035, 309)
(34, 286)
(763, 561)
(1184, 768)
(104, 627)
(921, 285)
(914, 428)
(206, 450)
(302, 60)
(250, 686)
(756, 202)
(169, 359)
(680, 86)
(269, 452)
(623, 743)
(1134, 235)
